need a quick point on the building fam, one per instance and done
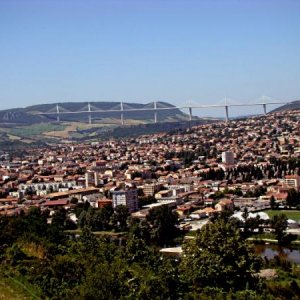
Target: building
(126, 197)
(292, 181)
(91, 178)
(151, 189)
(227, 158)
(226, 204)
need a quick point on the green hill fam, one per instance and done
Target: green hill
(26, 127)
(32, 114)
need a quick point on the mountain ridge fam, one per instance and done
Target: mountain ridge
(294, 105)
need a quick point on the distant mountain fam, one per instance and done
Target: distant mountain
(295, 105)
(32, 114)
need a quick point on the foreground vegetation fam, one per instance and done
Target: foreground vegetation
(11, 288)
(41, 260)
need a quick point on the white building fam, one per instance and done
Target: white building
(227, 158)
(127, 197)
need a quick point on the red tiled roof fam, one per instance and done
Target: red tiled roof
(57, 202)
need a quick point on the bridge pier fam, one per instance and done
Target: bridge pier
(226, 114)
(155, 112)
(265, 108)
(57, 113)
(122, 114)
(190, 113)
(90, 115)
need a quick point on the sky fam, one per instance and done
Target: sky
(177, 51)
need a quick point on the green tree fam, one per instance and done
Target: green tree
(120, 217)
(219, 257)
(104, 281)
(163, 223)
(145, 200)
(59, 218)
(292, 198)
(140, 229)
(273, 202)
(105, 215)
(279, 224)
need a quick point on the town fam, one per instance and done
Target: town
(243, 164)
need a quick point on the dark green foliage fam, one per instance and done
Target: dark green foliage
(219, 264)
(140, 229)
(162, 221)
(250, 224)
(96, 218)
(146, 200)
(293, 198)
(219, 257)
(273, 202)
(120, 217)
(279, 224)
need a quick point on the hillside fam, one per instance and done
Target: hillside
(32, 114)
(25, 127)
(295, 105)
(26, 136)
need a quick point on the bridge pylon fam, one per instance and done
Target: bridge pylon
(122, 113)
(226, 114)
(57, 113)
(155, 111)
(265, 108)
(90, 114)
(190, 114)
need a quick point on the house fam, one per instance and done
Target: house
(55, 203)
(292, 181)
(226, 204)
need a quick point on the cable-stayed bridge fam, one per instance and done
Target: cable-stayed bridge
(121, 107)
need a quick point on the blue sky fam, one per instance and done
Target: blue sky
(140, 51)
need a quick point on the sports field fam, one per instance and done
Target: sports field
(291, 214)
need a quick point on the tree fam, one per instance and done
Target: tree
(140, 229)
(162, 222)
(219, 257)
(89, 245)
(104, 281)
(145, 200)
(273, 202)
(279, 224)
(74, 200)
(292, 198)
(105, 215)
(120, 217)
(238, 192)
(59, 218)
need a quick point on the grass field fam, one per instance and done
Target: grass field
(291, 214)
(34, 130)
